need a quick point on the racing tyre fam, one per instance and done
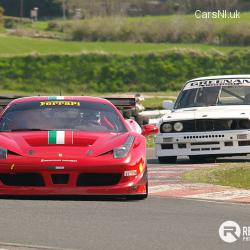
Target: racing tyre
(167, 159)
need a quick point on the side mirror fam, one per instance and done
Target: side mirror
(149, 129)
(168, 105)
(134, 125)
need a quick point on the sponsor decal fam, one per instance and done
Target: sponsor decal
(58, 160)
(59, 103)
(60, 137)
(216, 83)
(231, 231)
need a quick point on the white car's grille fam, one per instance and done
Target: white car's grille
(211, 125)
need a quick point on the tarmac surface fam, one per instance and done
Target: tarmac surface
(160, 222)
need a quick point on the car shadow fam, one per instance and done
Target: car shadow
(227, 160)
(102, 198)
(186, 161)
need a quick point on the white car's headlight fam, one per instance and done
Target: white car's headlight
(123, 150)
(166, 127)
(3, 153)
(178, 126)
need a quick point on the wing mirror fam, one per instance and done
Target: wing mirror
(149, 129)
(168, 105)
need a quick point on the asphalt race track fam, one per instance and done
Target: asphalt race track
(156, 223)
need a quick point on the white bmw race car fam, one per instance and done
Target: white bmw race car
(210, 118)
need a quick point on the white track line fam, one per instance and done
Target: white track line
(223, 195)
(16, 246)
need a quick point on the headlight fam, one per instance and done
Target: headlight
(3, 153)
(122, 151)
(178, 126)
(166, 128)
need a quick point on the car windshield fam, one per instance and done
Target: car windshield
(213, 96)
(61, 115)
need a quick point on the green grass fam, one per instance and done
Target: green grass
(155, 102)
(17, 45)
(168, 94)
(11, 45)
(41, 25)
(150, 141)
(234, 175)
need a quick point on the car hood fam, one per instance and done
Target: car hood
(211, 112)
(75, 144)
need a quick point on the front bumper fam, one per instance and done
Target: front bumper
(126, 185)
(234, 142)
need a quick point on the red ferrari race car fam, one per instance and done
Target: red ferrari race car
(71, 146)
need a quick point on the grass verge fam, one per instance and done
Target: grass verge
(158, 29)
(12, 45)
(168, 95)
(226, 174)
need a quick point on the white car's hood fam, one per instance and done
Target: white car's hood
(211, 112)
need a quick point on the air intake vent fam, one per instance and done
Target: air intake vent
(93, 179)
(60, 178)
(23, 179)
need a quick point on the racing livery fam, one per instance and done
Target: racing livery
(71, 146)
(210, 118)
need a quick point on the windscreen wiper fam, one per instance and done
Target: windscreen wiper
(27, 129)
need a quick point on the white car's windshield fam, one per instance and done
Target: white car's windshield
(213, 96)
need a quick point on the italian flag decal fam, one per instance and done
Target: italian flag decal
(60, 137)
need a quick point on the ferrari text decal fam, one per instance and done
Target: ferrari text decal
(218, 82)
(60, 103)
